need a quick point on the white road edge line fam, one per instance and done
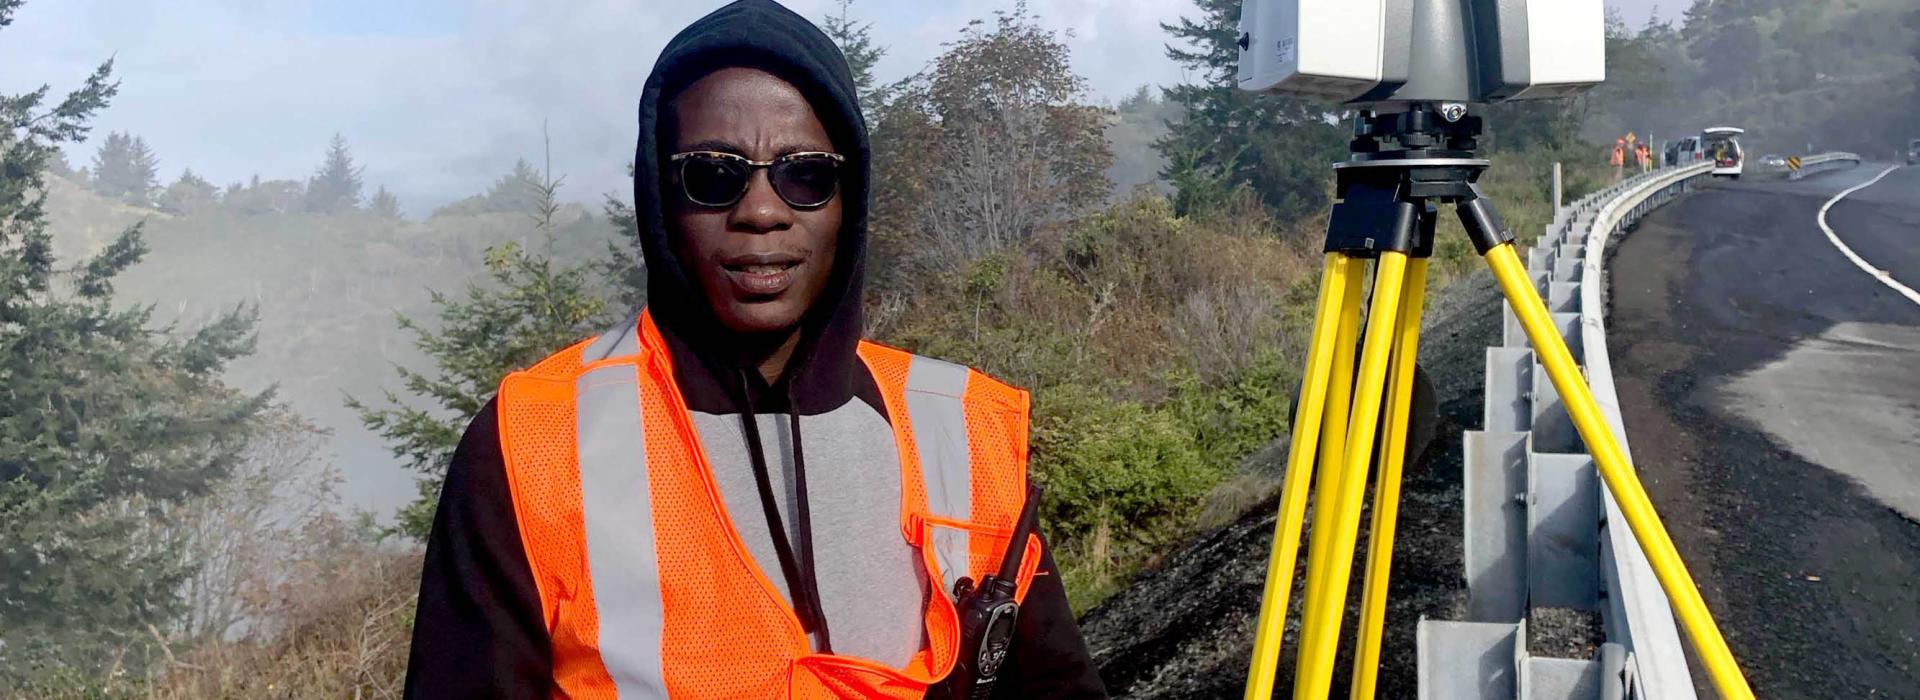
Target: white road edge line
(1885, 277)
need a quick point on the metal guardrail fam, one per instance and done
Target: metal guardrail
(1822, 162)
(1540, 527)
(1542, 531)
(1638, 615)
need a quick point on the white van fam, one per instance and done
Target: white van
(1721, 144)
(1684, 151)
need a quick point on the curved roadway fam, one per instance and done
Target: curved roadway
(1771, 389)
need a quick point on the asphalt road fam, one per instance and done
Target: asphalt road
(1771, 391)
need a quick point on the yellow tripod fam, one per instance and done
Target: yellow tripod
(1386, 214)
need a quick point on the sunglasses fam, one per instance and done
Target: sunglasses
(715, 179)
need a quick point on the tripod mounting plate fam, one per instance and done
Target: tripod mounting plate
(1401, 164)
(1393, 207)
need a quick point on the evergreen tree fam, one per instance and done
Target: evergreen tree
(111, 165)
(516, 191)
(105, 421)
(125, 168)
(189, 194)
(384, 204)
(857, 45)
(1280, 147)
(58, 165)
(527, 307)
(146, 172)
(519, 191)
(625, 265)
(335, 187)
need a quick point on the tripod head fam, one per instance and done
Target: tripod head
(1402, 164)
(1420, 130)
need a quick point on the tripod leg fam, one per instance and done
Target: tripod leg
(1618, 472)
(1386, 493)
(1336, 294)
(1331, 563)
(1333, 421)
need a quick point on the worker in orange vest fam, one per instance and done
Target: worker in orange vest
(731, 494)
(1619, 157)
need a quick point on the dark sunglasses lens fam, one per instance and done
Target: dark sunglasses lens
(713, 182)
(806, 182)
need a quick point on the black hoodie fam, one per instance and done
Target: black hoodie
(479, 630)
(764, 35)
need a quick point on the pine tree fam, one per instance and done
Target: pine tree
(1280, 147)
(125, 168)
(146, 173)
(189, 194)
(384, 204)
(335, 186)
(105, 421)
(58, 165)
(112, 165)
(516, 191)
(527, 307)
(625, 267)
(857, 45)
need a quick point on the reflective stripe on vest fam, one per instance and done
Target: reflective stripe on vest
(935, 390)
(645, 587)
(618, 507)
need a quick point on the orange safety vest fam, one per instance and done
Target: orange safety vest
(645, 585)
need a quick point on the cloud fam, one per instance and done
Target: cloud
(440, 97)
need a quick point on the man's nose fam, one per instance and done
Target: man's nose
(761, 209)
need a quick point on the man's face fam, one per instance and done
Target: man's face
(761, 263)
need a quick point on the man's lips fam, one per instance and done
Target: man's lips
(761, 274)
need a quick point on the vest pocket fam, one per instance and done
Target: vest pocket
(830, 676)
(963, 548)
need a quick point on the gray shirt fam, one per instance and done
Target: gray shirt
(872, 587)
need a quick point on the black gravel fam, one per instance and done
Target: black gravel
(1564, 633)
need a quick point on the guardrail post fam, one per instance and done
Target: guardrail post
(1556, 187)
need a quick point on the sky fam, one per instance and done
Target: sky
(436, 98)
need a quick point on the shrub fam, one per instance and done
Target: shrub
(1232, 419)
(1114, 462)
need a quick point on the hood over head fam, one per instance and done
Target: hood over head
(764, 35)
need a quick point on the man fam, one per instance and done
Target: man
(730, 495)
